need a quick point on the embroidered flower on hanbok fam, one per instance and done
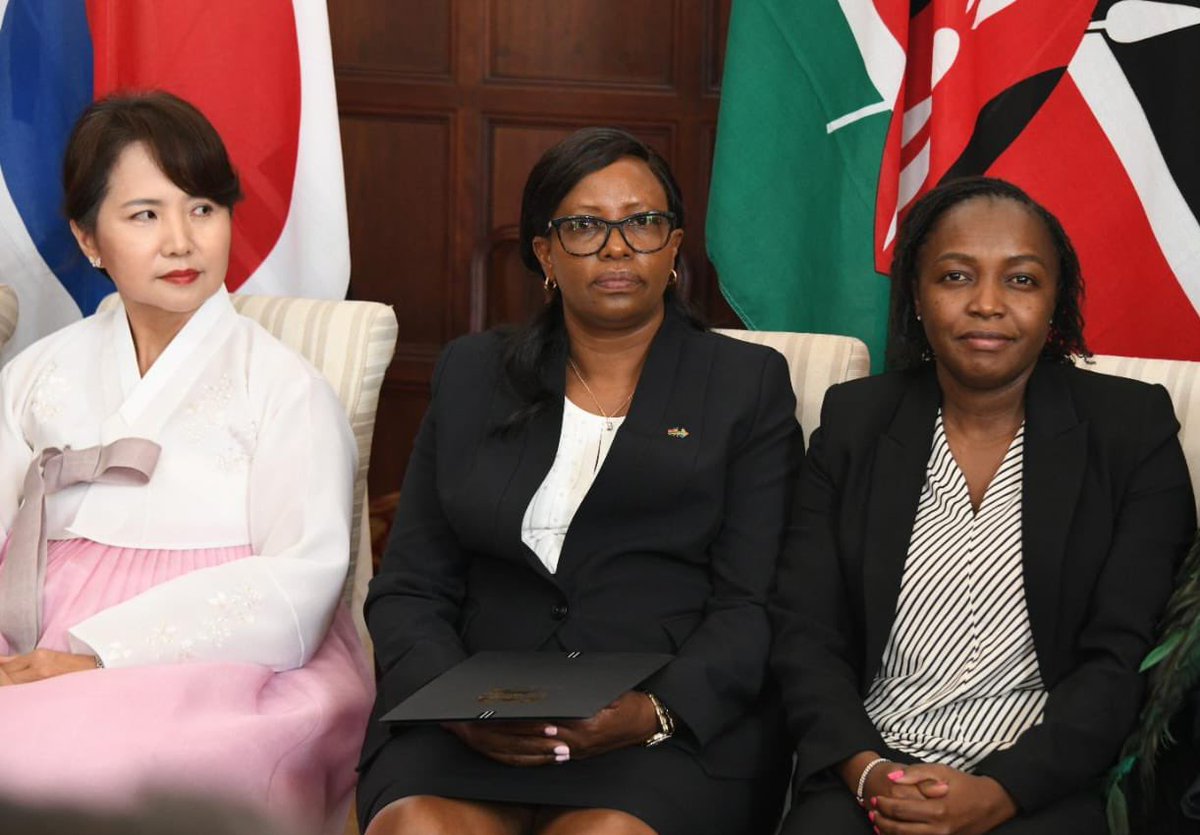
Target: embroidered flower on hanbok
(165, 643)
(212, 423)
(115, 651)
(49, 391)
(231, 609)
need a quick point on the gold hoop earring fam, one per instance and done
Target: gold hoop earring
(674, 279)
(550, 284)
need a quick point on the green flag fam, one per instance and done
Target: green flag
(805, 107)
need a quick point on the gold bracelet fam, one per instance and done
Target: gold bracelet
(666, 722)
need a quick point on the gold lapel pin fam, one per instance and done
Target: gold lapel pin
(677, 432)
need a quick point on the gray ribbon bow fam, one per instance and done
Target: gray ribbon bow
(128, 461)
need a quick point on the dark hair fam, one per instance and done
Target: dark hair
(562, 167)
(907, 345)
(177, 136)
(557, 172)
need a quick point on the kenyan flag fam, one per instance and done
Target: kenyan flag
(837, 114)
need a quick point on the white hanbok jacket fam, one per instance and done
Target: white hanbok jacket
(256, 450)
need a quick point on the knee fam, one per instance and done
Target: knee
(417, 815)
(597, 822)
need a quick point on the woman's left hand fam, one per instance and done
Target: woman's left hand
(970, 805)
(40, 664)
(630, 720)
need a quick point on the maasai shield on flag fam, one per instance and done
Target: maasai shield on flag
(262, 72)
(1089, 107)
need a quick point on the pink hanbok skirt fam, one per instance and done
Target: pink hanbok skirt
(284, 743)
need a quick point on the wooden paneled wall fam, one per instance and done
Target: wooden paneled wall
(445, 106)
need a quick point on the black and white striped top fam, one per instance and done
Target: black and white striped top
(959, 677)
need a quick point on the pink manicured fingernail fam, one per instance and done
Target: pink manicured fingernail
(871, 817)
(895, 775)
(550, 730)
(561, 758)
(877, 832)
(874, 801)
(561, 750)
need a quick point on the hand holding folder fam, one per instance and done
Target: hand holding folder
(538, 708)
(528, 685)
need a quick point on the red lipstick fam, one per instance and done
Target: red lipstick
(180, 276)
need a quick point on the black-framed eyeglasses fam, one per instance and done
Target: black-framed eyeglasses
(644, 232)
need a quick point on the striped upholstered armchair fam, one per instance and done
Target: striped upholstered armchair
(815, 361)
(1181, 379)
(8, 313)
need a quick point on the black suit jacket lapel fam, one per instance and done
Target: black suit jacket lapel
(530, 454)
(662, 391)
(897, 478)
(1054, 459)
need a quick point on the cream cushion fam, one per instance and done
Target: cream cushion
(8, 313)
(351, 343)
(1181, 379)
(815, 361)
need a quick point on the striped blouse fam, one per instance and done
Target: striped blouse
(959, 677)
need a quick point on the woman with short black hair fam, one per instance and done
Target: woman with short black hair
(175, 491)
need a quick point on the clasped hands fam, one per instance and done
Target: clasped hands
(40, 664)
(629, 720)
(925, 799)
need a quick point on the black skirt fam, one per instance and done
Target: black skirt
(663, 786)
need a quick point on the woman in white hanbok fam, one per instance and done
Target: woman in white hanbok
(175, 490)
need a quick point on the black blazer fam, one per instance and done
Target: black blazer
(1107, 511)
(672, 550)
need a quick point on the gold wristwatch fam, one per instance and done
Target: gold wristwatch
(666, 722)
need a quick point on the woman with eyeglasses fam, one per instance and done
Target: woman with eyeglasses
(612, 477)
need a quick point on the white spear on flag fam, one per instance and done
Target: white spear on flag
(1108, 94)
(1129, 21)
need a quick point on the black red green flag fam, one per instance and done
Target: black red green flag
(837, 114)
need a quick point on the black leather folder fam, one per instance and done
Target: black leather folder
(528, 686)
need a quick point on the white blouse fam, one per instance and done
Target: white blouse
(960, 677)
(583, 445)
(256, 450)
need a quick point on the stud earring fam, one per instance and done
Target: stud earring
(918, 317)
(94, 260)
(550, 284)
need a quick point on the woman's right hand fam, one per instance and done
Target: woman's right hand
(512, 743)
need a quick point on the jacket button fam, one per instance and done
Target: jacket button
(559, 611)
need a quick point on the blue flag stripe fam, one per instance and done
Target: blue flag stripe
(45, 82)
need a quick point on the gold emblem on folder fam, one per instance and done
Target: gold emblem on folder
(677, 432)
(523, 695)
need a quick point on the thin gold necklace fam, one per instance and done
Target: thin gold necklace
(608, 416)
